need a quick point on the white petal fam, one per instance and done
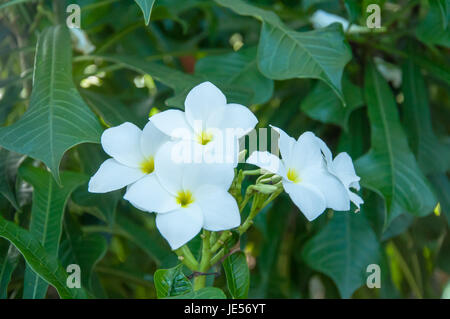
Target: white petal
(123, 144)
(149, 195)
(203, 103)
(237, 118)
(181, 225)
(306, 153)
(334, 191)
(219, 208)
(268, 162)
(307, 198)
(151, 140)
(172, 123)
(112, 175)
(195, 175)
(343, 168)
(285, 143)
(325, 150)
(358, 201)
(169, 167)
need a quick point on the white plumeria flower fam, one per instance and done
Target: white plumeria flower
(133, 156)
(186, 197)
(208, 122)
(81, 41)
(389, 71)
(342, 167)
(304, 174)
(322, 19)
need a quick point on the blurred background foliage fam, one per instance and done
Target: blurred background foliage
(395, 125)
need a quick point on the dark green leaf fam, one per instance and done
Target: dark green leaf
(46, 265)
(47, 213)
(9, 257)
(390, 168)
(146, 7)
(204, 293)
(434, 28)
(171, 282)
(57, 118)
(238, 275)
(343, 250)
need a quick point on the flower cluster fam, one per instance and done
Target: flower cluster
(182, 164)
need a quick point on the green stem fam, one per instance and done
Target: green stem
(186, 257)
(200, 280)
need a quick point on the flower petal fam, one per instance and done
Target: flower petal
(172, 123)
(238, 118)
(195, 175)
(151, 140)
(285, 143)
(358, 201)
(334, 191)
(149, 195)
(268, 162)
(112, 175)
(306, 153)
(342, 167)
(307, 198)
(203, 102)
(123, 144)
(219, 208)
(181, 225)
(169, 166)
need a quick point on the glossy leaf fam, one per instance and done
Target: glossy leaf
(240, 69)
(204, 293)
(47, 213)
(390, 168)
(237, 274)
(434, 27)
(286, 54)
(432, 155)
(57, 118)
(171, 282)
(46, 265)
(146, 7)
(9, 258)
(342, 250)
(9, 162)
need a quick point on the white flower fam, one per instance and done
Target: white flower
(322, 19)
(133, 152)
(208, 121)
(342, 167)
(389, 71)
(81, 41)
(305, 176)
(186, 197)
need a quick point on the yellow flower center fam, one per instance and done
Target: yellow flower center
(204, 137)
(148, 166)
(184, 198)
(292, 175)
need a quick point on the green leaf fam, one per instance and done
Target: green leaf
(286, 54)
(171, 282)
(9, 162)
(342, 250)
(441, 185)
(46, 265)
(146, 7)
(85, 250)
(432, 155)
(47, 213)
(322, 105)
(204, 293)
(238, 68)
(433, 30)
(180, 82)
(9, 258)
(389, 168)
(57, 118)
(237, 274)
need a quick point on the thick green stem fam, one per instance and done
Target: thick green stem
(186, 257)
(200, 280)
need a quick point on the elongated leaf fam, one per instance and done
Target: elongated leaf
(46, 265)
(322, 105)
(84, 250)
(9, 258)
(146, 7)
(286, 54)
(47, 213)
(434, 28)
(9, 163)
(238, 275)
(204, 293)
(432, 155)
(390, 168)
(57, 118)
(343, 250)
(171, 282)
(239, 68)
